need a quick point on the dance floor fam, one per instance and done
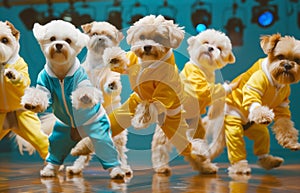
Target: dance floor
(21, 174)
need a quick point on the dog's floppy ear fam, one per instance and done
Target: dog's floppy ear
(120, 36)
(82, 39)
(14, 31)
(87, 27)
(38, 31)
(191, 41)
(269, 42)
(130, 34)
(231, 58)
(176, 35)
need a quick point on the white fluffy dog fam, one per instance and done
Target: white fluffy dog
(14, 79)
(158, 90)
(63, 84)
(102, 35)
(209, 50)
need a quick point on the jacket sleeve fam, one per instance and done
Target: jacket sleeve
(253, 90)
(44, 85)
(283, 110)
(22, 68)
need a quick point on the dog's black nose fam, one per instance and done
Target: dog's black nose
(147, 48)
(287, 66)
(58, 46)
(210, 49)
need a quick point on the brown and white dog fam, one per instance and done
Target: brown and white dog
(102, 35)
(14, 79)
(261, 97)
(158, 90)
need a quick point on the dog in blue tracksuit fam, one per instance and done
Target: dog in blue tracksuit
(64, 86)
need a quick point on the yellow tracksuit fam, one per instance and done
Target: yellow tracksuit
(157, 82)
(255, 86)
(200, 92)
(22, 122)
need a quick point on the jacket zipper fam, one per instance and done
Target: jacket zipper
(61, 82)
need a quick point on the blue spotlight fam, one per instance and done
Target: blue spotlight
(201, 16)
(201, 27)
(266, 18)
(264, 15)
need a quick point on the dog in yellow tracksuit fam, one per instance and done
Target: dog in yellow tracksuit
(154, 78)
(14, 79)
(209, 51)
(261, 97)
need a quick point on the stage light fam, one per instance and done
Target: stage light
(72, 16)
(137, 12)
(264, 15)
(235, 31)
(201, 15)
(29, 16)
(115, 14)
(168, 11)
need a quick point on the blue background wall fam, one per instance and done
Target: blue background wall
(221, 11)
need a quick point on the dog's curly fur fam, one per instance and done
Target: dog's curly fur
(281, 67)
(102, 35)
(14, 80)
(152, 39)
(209, 50)
(61, 49)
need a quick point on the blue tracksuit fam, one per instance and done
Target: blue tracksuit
(92, 122)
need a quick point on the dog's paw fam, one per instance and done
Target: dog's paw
(127, 170)
(116, 173)
(116, 59)
(261, 115)
(145, 114)
(72, 170)
(240, 167)
(110, 87)
(12, 74)
(293, 147)
(163, 170)
(208, 168)
(86, 97)
(50, 170)
(269, 162)
(35, 100)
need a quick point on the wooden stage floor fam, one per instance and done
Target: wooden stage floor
(20, 174)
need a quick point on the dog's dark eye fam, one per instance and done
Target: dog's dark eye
(142, 37)
(4, 40)
(94, 34)
(280, 57)
(158, 39)
(205, 42)
(219, 48)
(69, 41)
(52, 39)
(297, 60)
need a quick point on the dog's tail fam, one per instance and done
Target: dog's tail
(215, 134)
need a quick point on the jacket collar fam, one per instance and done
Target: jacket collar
(71, 72)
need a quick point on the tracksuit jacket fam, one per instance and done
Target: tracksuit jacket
(90, 122)
(28, 123)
